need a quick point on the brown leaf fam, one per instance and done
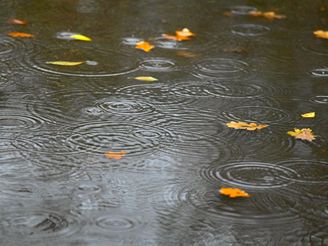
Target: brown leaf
(233, 192)
(145, 46)
(17, 22)
(304, 134)
(321, 34)
(115, 155)
(20, 35)
(246, 126)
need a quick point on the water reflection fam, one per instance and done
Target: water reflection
(58, 121)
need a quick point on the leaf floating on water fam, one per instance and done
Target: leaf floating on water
(246, 126)
(20, 35)
(321, 34)
(308, 115)
(304, 134)
(81, 37)
(146, 78)
(233, 192)
(72, 36)
(180, 35)
(115, 155)
(65, 63)
(145, 46)
(270, 15)
(17, 22)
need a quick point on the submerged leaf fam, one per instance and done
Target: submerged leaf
(304, 134)
(17, 22)
(146, 78)
(145, 46)
(20, 35)
(233, 192)
(81, 37)
(65, 63)
(308, 115)
(246, 126)
(115, 155)
(321, 34)
(269, 15)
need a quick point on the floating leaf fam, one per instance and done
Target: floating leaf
(115, 155)
(65, 63)
(233, 192)
(180, 35)
(308, 115)
(17, 22)
(20, 35)
(246, 126)
(145, 46)
(304, 134)
(81, 37)
(146, 78)
(321, 34)
(72, 36)
(269, 15)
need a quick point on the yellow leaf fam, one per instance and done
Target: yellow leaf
(65, 63)
(246, 126)
(80, 37)
(233, 192)
(146, 78)
(309, 115)
(145, 46)
(321, 34)
(180, 35)
(304, 134)
(115, 155)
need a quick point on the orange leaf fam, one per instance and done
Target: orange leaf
(175, 38)
(269, 15)
(17, 22)
(20, 35)
(145, 46)
(115, 155)
(304, 134)
(246, 126)
(185, 32)
(321, 34)
(233, 192)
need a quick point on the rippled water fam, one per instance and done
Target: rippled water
(58, 188)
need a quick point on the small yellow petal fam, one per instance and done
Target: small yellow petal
(81, 37)
(65, 63)
(146, 78)
(309, 115)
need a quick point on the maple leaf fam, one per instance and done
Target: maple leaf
(304, 134)
(269, 15)
(246, 126)
(65, 63)
(115, 155)
(145, 46)
(308, 115)
(17, 22)
(146, 78)
(233, 192)
(321, 34)
(20, 35)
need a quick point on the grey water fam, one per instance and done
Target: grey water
(57, 187)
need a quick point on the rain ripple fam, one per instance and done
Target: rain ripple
(222, 68)
(250, 30)
(255, 175)
(36, 225)
(115, 223)
(158, 64)
(320, 72)
(321, 99)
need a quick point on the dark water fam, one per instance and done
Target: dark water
(58, 188)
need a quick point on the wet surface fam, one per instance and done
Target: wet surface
(56, 122)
